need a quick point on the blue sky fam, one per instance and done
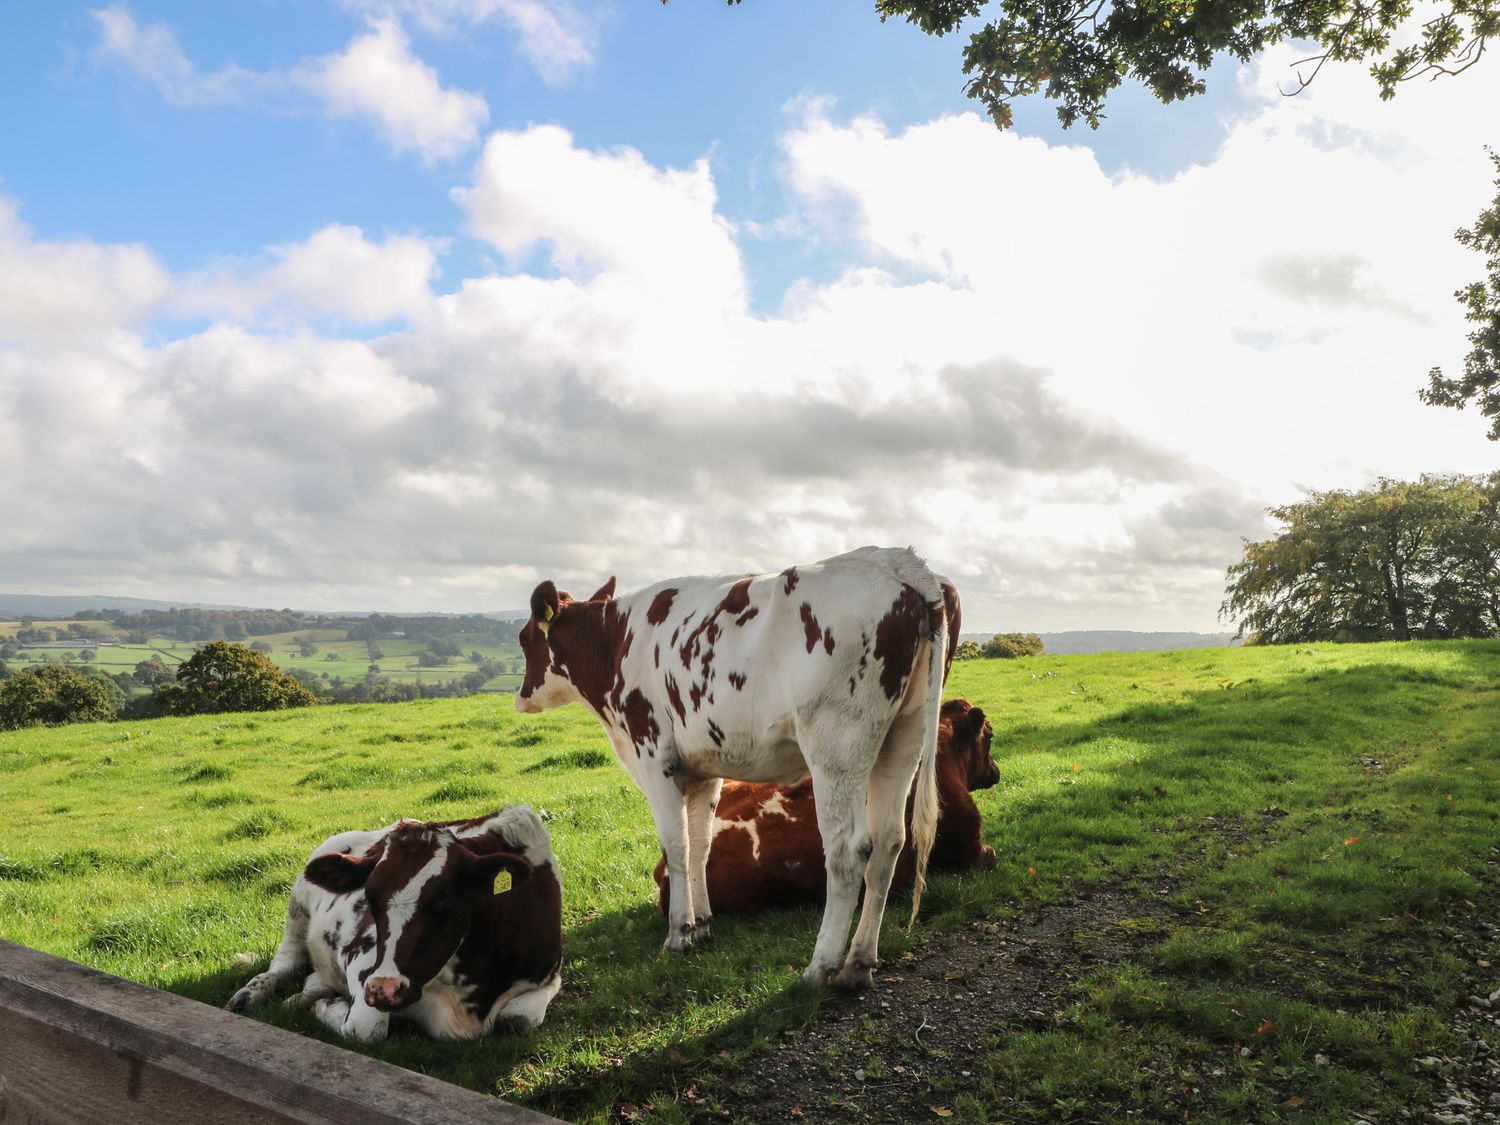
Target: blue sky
(411, 303)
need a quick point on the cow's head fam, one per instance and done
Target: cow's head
(970, 744)
(558, 633)
(422, 885)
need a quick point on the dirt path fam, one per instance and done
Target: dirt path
(876, 1057)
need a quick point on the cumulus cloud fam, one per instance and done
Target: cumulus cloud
(1074, 392)
(553, 36)
(337, 272)
(375, 77)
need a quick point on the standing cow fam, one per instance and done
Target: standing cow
(833, 670)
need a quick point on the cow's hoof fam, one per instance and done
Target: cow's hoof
(703, 930)
(818, 975)
(512, 1025)
(856, 978)
(240, 1001)
(986, 858)
(680, 940)
(308, 999)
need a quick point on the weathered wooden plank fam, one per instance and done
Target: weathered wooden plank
(79, 1045)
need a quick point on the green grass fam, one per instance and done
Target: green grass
(1359, 784)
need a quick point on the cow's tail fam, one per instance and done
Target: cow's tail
(924, 815)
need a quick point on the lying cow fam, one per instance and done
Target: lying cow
(766, 852)
(406, 921)
(833, 669)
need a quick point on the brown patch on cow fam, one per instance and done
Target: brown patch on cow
(737, 680)
(674, 697)
(790, 574)
(810, 627)
(656, 656)
(747, 615)
(640, 720)
(661, 605)
(828, 641)
(716, 733)
(898, 638)
(738, 598)
(586, 642)
(695, 696)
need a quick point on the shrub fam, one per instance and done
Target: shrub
(967, 650)
(54, 694)
(222, 676)
(1009, 646)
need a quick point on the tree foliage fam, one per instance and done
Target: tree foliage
(1009, 646)
(967, 650)
(1397, 561)
(222, 676)
(1480, 382)
(50, 694)
(1076, 52)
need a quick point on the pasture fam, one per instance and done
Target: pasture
(1309, 833)
(334, 657)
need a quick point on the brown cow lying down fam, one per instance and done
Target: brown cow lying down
(406, 921)
(766, 851)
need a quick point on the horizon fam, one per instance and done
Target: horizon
(417, 303)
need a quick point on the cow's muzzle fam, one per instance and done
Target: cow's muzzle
(389, 994)
(526, 705)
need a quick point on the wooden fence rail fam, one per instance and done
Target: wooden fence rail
(79, 1045)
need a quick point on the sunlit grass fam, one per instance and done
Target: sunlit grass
(161, 850)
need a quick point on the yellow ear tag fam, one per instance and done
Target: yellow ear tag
(547, 613)
(503, 882)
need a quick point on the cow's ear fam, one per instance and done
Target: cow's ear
(545, 603)
(605, 592)
(479, 872)
(340, 872)
(975, 719)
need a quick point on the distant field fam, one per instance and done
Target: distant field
(350, 659)
(1358, 784)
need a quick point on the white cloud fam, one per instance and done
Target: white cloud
(1074, 392)
(60, 291)
(376, 77)
(553, 36)
(337, 272)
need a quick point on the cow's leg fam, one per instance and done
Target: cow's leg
(526, 1010)
(669, 810)
(702, 797)
(291, 956)
(352, 1017)
(840, 799)
(890, 784)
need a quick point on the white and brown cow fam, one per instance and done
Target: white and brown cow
(405, 920)
(766, 853)
(833, 669)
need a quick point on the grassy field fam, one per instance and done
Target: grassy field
(335, 656)
(1369, 774)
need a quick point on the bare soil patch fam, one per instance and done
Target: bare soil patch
(875, 1057)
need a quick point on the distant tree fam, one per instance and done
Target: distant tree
(1010, 646)
(88, 656)
(52, 694)
(261, 646)
(4, 670)
(331, 656)
(1397, 561)
(234, 631)
(444, 646)
(9, 650)
(1480, 382)
(967, 650)
(373, 651)
(222, 676)
(429, 659)
(373, 670)
(150, 673)
(306, 647)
